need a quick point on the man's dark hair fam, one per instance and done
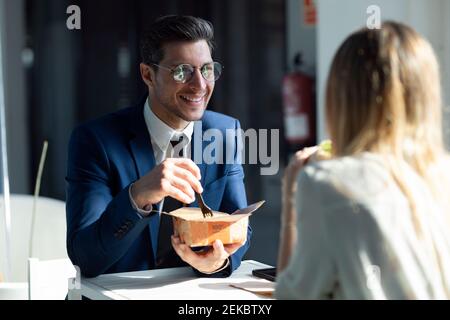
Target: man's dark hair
(174, 28)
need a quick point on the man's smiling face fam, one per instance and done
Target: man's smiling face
(179, 103)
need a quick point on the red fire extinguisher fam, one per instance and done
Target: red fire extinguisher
(299, 108)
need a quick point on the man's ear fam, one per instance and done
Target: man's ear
(147, 74)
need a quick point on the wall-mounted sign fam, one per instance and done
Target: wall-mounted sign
(309, 12)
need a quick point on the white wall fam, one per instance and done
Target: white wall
(445, 69)
(337, 19)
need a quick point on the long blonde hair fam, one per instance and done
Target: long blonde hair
(383, 95)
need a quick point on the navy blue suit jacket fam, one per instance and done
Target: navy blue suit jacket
(104, 233)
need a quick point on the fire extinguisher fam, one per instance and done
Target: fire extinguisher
(299, 112)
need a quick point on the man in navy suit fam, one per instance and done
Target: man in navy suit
(122, 171)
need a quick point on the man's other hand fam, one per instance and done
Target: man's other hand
(206, 261)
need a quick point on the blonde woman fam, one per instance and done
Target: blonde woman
(373, 222)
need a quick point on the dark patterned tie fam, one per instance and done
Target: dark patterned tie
(178, 145)
(166, 257)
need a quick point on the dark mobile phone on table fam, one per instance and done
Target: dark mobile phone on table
(266, 273)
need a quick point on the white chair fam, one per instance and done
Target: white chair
(49, 279)
(48, 243)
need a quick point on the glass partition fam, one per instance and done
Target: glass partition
(5, 214)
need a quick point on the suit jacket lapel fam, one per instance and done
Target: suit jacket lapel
(144, 158)
(140, 144)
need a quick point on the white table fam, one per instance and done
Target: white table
(173, 284)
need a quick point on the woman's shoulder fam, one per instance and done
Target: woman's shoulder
(356, 178)
(347, 167)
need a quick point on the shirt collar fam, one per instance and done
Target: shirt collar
(160, 132)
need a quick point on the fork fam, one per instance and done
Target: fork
(206, 211)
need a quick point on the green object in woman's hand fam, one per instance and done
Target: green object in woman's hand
(326, 145)
(325, 150)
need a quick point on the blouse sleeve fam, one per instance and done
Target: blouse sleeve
(311, 272)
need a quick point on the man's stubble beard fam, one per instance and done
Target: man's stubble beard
(177, 112)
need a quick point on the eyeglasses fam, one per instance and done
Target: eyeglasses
(183, 73)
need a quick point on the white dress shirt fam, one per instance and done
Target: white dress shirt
(356, 236)
(160, 135)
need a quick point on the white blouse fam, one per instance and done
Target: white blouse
(356, 237)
